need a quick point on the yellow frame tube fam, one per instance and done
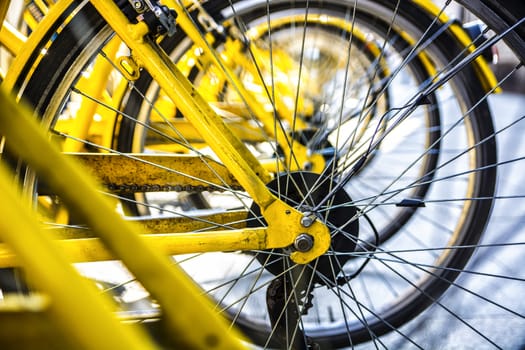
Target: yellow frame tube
(183, 306)
(93, 249)
(11, 38)
(155, 225)
(76, 304)
(232, 152)
(296, 153)
(155, 169)
(284, 221)
(94, 87)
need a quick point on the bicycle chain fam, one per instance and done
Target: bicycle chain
(133, 188)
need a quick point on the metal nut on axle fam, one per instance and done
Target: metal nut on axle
(307, 220)
(304, 242)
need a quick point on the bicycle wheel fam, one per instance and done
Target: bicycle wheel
(405, 220)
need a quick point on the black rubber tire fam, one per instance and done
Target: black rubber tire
(45, 80)
(500, 15)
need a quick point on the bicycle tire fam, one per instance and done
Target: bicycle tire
(410, 308)
(500, 16)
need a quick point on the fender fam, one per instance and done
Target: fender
(481, 67)
(483, 71)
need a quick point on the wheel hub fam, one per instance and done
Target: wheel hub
(303, 191)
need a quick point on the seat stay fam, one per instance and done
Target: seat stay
(284, 222)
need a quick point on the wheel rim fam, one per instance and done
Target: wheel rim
(361, 314)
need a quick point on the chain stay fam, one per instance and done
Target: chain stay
(134, 188)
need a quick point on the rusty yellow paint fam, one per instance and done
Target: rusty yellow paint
(156, 169)
(148, 225)
(212, 222)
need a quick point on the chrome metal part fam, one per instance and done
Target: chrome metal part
(303, 242)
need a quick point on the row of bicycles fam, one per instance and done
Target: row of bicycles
(222, 174)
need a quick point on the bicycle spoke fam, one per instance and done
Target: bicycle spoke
(376, 120)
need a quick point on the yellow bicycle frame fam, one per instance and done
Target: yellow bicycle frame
(92, 323)
(283, 220)
(240, 162)
(179, 298)
(244, 167)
